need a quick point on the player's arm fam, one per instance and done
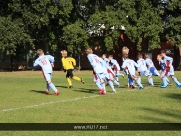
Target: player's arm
(73, 62)
(35, 64)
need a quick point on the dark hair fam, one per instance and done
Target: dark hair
(163, 51)
(140, 55)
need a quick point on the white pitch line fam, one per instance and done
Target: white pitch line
(63, 101)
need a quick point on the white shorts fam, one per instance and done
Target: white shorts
(103, 76)
(111, 74)
(144, 73)
(47, 76)
(170, 73)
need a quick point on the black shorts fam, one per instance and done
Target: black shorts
(69, 73)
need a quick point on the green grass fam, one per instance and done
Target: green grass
(23, 100)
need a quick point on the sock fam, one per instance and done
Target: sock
(164, 81)
(139, 82)
(69, 81)
(98, 84)
(117, 78)
(176, 81)
(167, 80)
(116, 82)
(53, 87)
(103, 86)
(111, 85)
(129, 82)
(47, 87)
(76, 78)
(151, 81)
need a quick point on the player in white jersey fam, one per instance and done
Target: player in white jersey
(115, 66)
(143, 69)
(168, 69)
(150, 65)
(110, 71)
(125, 50)
(100, 71)
(46, 62)
(130, 65)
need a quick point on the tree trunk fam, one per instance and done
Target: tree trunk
(179, 67)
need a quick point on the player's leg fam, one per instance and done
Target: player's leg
(101, 80)
(164, 80)
(68, 78)
(97, 82)
(111, 76)
(178, 84)
(106, 77)
(150, 79)
(48, 77)
(138, 81)
(75, 77)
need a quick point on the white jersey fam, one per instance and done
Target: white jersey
(97, 63)
(115, 64)
(149, 63)
(106, 60)
(142, 65)
(45, 63)
(130, 65)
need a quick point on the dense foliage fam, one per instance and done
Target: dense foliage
(77, 24)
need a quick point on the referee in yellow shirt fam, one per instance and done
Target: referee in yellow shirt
(68, 64)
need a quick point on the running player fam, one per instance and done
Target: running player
(166, 63)
(68, 64)
(46, 62)
(129, 65)
(143, 69)
(100, 71)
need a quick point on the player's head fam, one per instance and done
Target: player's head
(163, 53)
(125, 50)
(147, 55)
(159, 57)
(40, 52)
(89, 51)
(110, 57)
(64, 53)
(103, 56)
(139, 56)
(125, 56)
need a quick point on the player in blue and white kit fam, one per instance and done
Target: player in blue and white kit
(130, 65)
(110, 71)
(143, 70)
(115, 66)
(46, 62)
(99, 68)
(150, 65)
(168, 70)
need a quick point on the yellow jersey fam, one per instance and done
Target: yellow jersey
(68, 63)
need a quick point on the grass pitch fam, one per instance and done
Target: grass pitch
(23, 100)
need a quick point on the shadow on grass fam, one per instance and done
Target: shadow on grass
(161, 116)
(38, 91)
(173, 96)
(62, 86)
(86, 90)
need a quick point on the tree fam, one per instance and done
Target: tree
(75, 37)
(13, 38)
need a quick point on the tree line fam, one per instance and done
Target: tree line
(77, 24)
